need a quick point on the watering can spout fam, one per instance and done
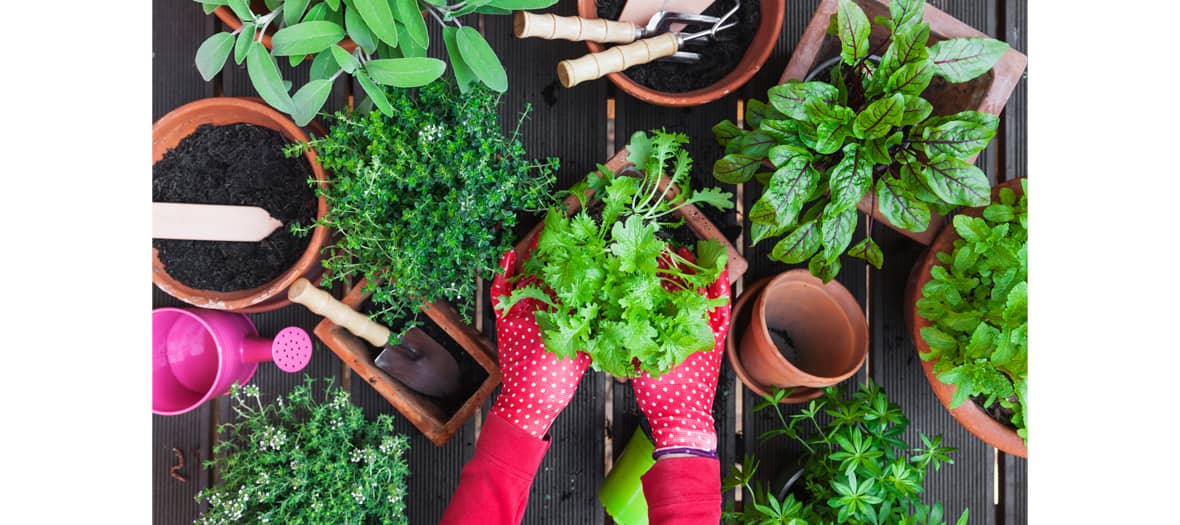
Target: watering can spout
(290, 349)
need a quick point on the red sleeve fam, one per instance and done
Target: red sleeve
(494, 485)
(683, 491)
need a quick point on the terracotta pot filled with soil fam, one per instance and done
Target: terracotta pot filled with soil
(227, 150)
(987, 93)
(696, 225)
(794, 331)
(437, 418)
(233, 23)
(992, 427)
(726, 64)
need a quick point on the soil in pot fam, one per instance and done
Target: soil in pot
(718, 58)
(471, 375)
(996, 411)
(242, 165)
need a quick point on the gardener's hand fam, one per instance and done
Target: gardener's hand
(536, 384)
(679, 404)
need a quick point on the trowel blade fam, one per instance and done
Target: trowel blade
(422, 364)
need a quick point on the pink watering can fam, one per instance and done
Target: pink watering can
(197, 354)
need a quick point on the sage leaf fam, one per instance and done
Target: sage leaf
(244, 43)
(376, 93)
(293, 11)
(837, 227)
(411, 17)
(264, 75)
(408, 47)
(521, 5)
(323, 65)
(911, 79)
(306, 38)
(463, 74)
(798, 245)
(379, 18)
(868, 250)
(790, 98)
(962, 59)
(850, 179)
(735, 168)
(344, 59)
(854, 32)
(956, 138)
(956, 181)
(213, 53)
(358, 31)
(481, 59)
(309, 99)
(405, 72)
(900, 207)
(241, 8)
(879, 118)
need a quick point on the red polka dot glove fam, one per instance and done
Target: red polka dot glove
(536, 385)
(679, 404)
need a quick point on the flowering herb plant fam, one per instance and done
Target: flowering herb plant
(303, 460)
(426, 200)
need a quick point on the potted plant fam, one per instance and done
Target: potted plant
(227, 150)
(856, 467)
(725, 65)
(892, 134)
(423, 200)
(306, 458)
(795, 331)
(967, 308)
(380, 43)
(621, 268)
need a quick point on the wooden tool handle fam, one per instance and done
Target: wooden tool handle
(552, 27)
(322, 303)
(615, 59)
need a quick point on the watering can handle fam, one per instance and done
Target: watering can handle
(616, 59)
(322, 303)
(552, 27)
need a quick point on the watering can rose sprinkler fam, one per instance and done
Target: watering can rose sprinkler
(197, 354)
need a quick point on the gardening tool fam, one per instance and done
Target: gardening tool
(663, 46)
(211, 222)
(197, 354)
(418, 361)
(552, 27)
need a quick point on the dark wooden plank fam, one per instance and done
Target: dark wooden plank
(177, 32)
(1013, 490)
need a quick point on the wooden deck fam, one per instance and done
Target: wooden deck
(583, 126)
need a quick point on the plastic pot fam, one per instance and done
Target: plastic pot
(970, 415)
(828, 333)
(622, 491)
(220, 111)
(770, 24)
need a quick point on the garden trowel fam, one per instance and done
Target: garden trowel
(418, 361)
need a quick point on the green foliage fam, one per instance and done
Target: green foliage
(303, 460)
(628, 298)
(856, 467)
(391, 37)
(424, 201)
(866, 132)
(977, 303)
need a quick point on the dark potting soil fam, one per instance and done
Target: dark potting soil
(471, 375)
(718, 57)
(241, 165)
(786, 346)
(996, 411)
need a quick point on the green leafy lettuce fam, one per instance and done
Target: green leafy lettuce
(977, 302)
(868, 131)
(619, 291)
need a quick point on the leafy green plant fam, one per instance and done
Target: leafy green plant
(424, 201)
(391, 41)
(856, 468)
(977, 302)
(868, 131)
(627, 297)
(306, 460)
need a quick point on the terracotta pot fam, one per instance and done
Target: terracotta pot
(770, 24)
(739, 320)
(693, 218)
(419, 409)
(219, 111)
(987, 93)
(829, 332)
(970, 415)
(232, 23)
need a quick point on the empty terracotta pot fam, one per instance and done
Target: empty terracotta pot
(804, 333)
(770, 24)
(220, 111)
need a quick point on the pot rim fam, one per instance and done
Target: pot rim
(754, 58)
(272, 294)
(231, 20)
(969, 415)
